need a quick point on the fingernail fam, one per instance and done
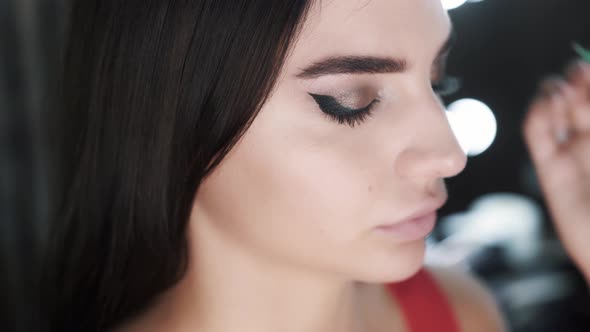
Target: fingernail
(557, 89)
(562, 135)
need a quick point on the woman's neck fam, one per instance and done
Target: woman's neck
(228, 288)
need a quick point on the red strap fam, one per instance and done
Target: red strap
(424, 305)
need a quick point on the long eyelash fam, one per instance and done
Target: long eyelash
(342, 114)
(447, 86)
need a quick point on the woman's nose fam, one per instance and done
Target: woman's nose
(434, 151)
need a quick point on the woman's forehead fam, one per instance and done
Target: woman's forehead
(401, 28)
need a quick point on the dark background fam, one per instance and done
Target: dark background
(505, 47)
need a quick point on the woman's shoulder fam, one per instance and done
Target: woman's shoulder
(473, 304)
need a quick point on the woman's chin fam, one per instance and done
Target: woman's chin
(394, 265)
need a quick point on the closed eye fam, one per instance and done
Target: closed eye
(343, 114)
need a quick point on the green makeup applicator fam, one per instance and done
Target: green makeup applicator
(582, 52)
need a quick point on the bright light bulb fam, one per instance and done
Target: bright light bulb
(474, 125)
(452, 4)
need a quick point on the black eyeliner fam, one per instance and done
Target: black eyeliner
(342, 114)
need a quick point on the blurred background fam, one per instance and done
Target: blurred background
(30, 40)
(494, 225)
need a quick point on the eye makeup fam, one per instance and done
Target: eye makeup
(354, 108)
(340, 111)
(343, 114)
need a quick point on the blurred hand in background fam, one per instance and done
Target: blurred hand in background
(557, 133)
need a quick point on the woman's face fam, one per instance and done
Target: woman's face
(353, 139)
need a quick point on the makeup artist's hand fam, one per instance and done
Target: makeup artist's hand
(557, 132)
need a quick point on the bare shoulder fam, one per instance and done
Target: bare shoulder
(474, 305)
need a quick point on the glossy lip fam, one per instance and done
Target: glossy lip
(416, 226)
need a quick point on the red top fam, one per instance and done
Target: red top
(424, 305)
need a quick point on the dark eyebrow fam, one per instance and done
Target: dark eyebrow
(353, 65)
(365, 64)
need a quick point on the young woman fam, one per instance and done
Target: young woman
(256, 165)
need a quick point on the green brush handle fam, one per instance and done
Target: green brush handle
(582, 52)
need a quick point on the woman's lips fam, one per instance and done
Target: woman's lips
(411, 229)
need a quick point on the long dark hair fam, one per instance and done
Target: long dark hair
(155, 93)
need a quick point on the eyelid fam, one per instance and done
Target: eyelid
(342, 114)
(332, 102)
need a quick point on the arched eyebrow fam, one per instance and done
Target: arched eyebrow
(367, 64)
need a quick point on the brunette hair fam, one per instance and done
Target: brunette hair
(154, 94)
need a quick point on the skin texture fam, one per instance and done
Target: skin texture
(304, 191)
(557, 132)
(287, 223)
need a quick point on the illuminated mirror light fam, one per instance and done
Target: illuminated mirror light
(474, 125)
(452, 4)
